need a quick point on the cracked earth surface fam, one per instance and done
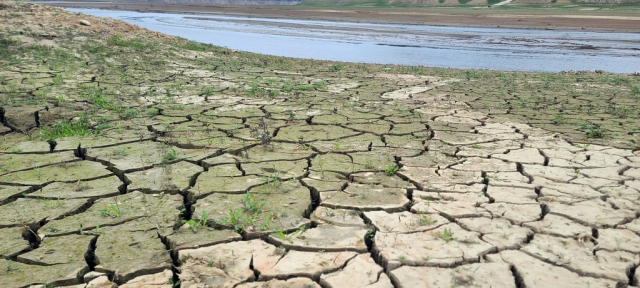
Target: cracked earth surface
(142, 160)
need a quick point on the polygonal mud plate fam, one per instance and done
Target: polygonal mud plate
(142, 155)
(169, 178)
(360, 271)
(358, 143)
(23, 275)
(403, 222)
(19, 143)
(516, 213)
(64, 172)
(187, 238)
(160, 209)
(377, 127)
(276, 152)
(558, 226)
(126, 255)
(282, 170)
(262, 210)
(207, 184)
(447, 246)
(160, 280)
(305, 264)
(10, 193)
(32, 211)
(327, 181)
(99, 188)
(13, 241)
(536, 273)
(429, 159)
(226, 264)
(614, 265)
(366, 198)
(338, 217)
(334, 162)
(17, 162)
(593, 213)
(297, 282)
(312, 133)
(110, 138)
(498, 232)
(325, 237)
(59, 250)
(375, 160)
(470, 275)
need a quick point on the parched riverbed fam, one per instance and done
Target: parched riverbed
(133, 157)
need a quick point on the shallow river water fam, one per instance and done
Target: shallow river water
(455, 47)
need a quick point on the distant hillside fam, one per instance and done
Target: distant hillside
(401, 3)
(222, 2)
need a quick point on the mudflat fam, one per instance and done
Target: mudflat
(136, 158)
(606, 20)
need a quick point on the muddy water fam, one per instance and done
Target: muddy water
(455, 47)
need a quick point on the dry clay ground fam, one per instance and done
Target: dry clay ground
(135, 159)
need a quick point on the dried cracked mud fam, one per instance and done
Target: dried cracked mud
(137, 159)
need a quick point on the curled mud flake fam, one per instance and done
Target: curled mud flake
(360, 271)
(471, 275)
(532, 272)
(447, 246)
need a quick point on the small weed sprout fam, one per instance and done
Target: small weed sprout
(447, 236)
(391, 170)
(426, 220)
